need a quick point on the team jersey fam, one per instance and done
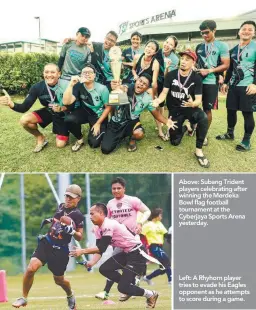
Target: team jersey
(209, 56)
(128, 55)
(163, 60)
(95, 98)
(242, 70)
(56, 231)
(138, 103)
(125, 210)
(41, 92)
(101, 61)
(154, 232)
(121, 236)
(75, 57)
(181, 92)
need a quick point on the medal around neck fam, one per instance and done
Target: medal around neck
(116, 97)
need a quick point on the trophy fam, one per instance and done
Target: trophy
(116, 97)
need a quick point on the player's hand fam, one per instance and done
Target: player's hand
(6, 101)
(168, 62)
(204, 72)
(75, 252)
(69, 230)
(189, 103)
(56, 108)
(67, 40)
(74, 80)
(171, 124)
(156, 103)
(138, 228)
(221, 79)
(96, 129)
(90, 45)
(115, 85)
(89, 264)
(46, 221)
(251, 89)
(224, 89)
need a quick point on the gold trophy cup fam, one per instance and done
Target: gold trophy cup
(116, 97)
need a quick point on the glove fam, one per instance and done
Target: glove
(69, 230)
(46, 221)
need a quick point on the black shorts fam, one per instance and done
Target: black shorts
(238, 100)
(45, 117)
(116, 132)
(210, 97)
(56, 259)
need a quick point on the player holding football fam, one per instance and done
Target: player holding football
(53, 247)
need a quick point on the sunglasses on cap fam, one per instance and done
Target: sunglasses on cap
(204, 32)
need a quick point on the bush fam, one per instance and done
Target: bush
(19, 71)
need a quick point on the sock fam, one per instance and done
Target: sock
(246, 139)
(108, 286)
(230, 131)
(148, 293)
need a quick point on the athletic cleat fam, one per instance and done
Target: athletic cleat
(151, 301)
(124, 297)
(71, 302)
(225, 136)
(102, 295)
(149, 282)
(20, 302)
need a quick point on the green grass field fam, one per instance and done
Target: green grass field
(16, 151)
(46, 295)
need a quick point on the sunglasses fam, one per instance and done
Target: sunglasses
(204, 32)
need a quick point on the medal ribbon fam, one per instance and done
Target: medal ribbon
(239, 54)
(181, 86)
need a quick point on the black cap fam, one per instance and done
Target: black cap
(84, 31)
(88, 64)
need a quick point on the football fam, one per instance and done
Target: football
(66, 220)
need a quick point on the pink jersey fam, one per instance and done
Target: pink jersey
(125, 210)
(121, 237)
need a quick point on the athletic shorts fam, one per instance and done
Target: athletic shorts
(238, 100)
(45, 117)
(56, 259)
(210, 97)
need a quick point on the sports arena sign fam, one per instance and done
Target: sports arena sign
(126, 26)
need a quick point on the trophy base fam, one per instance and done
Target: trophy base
(118, 99)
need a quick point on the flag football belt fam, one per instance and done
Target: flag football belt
(148, 257)
(57, 246)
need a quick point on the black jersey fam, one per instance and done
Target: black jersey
(56, 231)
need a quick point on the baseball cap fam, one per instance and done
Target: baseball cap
(89, 65)
(190, 53)
(74, 191)
(84, 31)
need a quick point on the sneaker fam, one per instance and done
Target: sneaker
(225, 136)
(149, 282)
(71, 302)
(151, 301)
(102, 295)
(20, 302)
(124, 297)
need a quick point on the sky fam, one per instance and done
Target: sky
(61, 19)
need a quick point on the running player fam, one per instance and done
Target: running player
(53, 248)
(131, 260)
(124, 209)
(155, 232)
